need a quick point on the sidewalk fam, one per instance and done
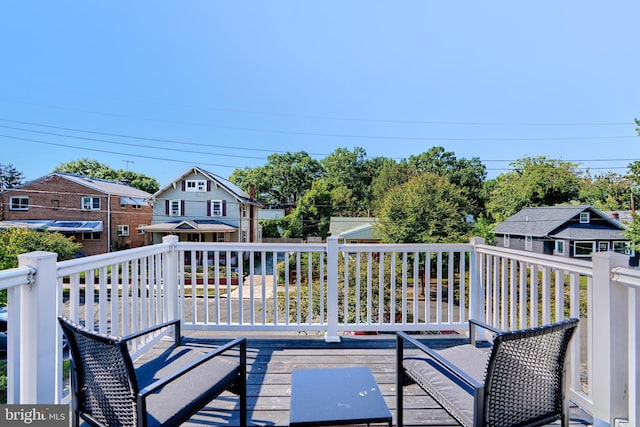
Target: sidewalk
(257, 287)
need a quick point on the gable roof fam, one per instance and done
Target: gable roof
(550, 221)
(97, 185)
(230, 187)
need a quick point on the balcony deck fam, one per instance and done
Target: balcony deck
(271, 360)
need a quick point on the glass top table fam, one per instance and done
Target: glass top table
(336, 396)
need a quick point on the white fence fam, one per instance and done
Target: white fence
(330, 288)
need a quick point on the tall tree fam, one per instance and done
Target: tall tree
(390, 174)
(350, 174)
(426, 209)
(534, 181)
(283, 180)
(95, 169)
(607, 192)
(468, 174)
(10, 177)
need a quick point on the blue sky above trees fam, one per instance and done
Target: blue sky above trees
(158, 86)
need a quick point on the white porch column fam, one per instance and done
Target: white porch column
(170, 278)
(332, 291)
(38, 330)
(610, 340)
(476, 291)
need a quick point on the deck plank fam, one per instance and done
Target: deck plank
(271, 361)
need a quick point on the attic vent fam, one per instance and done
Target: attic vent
(526, 218)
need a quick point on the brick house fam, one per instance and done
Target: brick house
(102, 215)
(199, 206)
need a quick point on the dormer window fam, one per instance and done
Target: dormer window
(198, 185)
(584, 218)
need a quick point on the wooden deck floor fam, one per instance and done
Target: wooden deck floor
(271, 361)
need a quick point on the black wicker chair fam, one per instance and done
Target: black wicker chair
(519, 381)
(109, 390)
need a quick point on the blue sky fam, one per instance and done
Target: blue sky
(158, 86)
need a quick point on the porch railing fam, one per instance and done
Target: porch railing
(330, 288)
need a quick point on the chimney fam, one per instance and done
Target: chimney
(615, 215)
(252, 191)
(125, 181)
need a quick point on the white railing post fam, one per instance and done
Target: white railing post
(610, 332)
(38, 330)
(476, 292)
(332, 291)
(170, 278)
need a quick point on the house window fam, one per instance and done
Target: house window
(244, 211)
(505, 240)
(603, 246)
(584, 218)
(175, 208)
(137, 206)
(244, 236)
(123, 230)
(622, 248)
(19, 203)
(219, 237)
(90, 203)
(91, 236)
(140, 230)
(55, 204)
(528, 243)
(195, 185)
(559, 247)
(216, 207)
(584, 249)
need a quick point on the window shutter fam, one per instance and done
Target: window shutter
(224, 208)
(183, 185)
(166, 207)
(182, 207)
(208, 185)
(208, 207)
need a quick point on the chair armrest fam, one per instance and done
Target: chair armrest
(444, 363)
(473, 323)
(242, 342)
(174, 323)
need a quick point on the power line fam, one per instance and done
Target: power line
(352, 119)
(384, 137)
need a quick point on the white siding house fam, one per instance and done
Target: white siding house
(199, 206)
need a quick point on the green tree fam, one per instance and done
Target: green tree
(426, 209)
(95, 169)
(607, 192)
(283, 180)
(16, 241)
(350, 175)
(10, 177)
(390, 174)
(468, 175)
(534, 181)
(313, 212)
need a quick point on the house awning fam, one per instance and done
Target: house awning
(133, 201)
(52, 225)
(189, 226)
(76, 226)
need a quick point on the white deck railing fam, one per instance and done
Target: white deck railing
(330, 288)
